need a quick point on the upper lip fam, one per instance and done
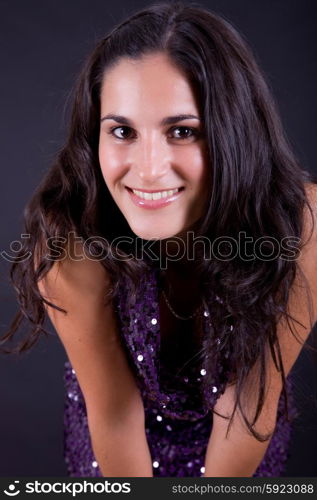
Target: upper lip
(154, 190)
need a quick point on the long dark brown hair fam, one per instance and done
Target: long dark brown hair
(256, 187)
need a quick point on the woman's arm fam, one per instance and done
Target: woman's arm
(90, 336)
(240, 453)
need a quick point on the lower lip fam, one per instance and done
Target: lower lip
(152, 204)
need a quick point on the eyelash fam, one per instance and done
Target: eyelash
(194, 132)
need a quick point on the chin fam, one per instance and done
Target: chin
(152, 233)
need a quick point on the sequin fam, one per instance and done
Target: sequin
(206, 314)
(202, 470)
(94, 464)
(203, 371)
(159, 418)
(184, 404)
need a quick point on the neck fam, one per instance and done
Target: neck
(175, 255)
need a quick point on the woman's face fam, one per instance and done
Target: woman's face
(151, 148)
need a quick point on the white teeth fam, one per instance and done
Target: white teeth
(155, 196)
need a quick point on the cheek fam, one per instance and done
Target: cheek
(193, 160)
(111, 162)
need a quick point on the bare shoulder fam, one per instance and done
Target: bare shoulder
(310, 214)
(302, 303)
(311, 191)
(307, 260)
(75, 271)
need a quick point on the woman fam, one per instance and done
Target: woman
(173, 244)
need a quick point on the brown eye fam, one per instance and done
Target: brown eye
(183, 132)
(121, 132)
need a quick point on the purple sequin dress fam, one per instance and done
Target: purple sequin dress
(178, 423)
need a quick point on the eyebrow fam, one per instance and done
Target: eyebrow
(166, 121)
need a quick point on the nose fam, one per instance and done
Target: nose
(151, 160)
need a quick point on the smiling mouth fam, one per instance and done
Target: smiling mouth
(155, 195)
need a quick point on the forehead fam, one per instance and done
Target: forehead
(151, 82)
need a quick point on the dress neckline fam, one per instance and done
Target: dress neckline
(178, 397)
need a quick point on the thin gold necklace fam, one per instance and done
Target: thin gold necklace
(178, 316)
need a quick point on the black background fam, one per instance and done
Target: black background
(43, 44)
